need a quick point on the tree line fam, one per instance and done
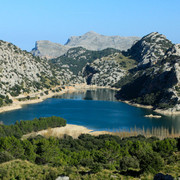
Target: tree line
(23, 127)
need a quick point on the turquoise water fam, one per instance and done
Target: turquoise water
(95, 109)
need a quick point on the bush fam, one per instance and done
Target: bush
(5, 156)
(96, 167)
(129, 162)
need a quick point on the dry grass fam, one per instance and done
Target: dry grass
(75, 132)
(158, 132)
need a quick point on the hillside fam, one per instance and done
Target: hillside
(76, 58)
(87, 157)
(90, 41)
(102, 68)
(21, 72)
(150, 49)
(158, 83)
(107, 71)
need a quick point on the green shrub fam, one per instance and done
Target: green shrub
(5, 156)
(129, 162)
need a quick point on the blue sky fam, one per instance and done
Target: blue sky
(25, 21)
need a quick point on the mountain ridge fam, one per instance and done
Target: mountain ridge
(90, 40)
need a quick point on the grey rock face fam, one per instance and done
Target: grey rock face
(90, 41)
(48, 49)
(103, 72)
(21, 68)
(158, 85)
(150, 49)
(94, 41)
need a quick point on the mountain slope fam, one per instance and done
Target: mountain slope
(76, 58)
(22, 72)
(158, 85)
(107, 71)
(150, 49)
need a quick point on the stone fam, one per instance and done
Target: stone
(161, 176)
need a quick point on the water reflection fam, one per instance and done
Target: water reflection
(91, 94)
(96, 109)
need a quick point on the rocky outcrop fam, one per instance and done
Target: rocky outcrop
(107, 71)
(94, 41)
(22, 72)
(49, 50)
(150, 49)
(90, 41)
(103, 72)
(158, 85)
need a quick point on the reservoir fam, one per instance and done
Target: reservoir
(95, 109)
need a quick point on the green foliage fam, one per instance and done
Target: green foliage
(109, 152)
(96, 167)
(95, 153)
(165, 147)
(129, 162)
(1, 102)
(15, 90)
(4, 100)
(77, 58)
(46, 92)
(24, 127)
(18, 169)
(5, 156)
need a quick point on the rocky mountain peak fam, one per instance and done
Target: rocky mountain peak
(91, 33)
(94, 41)
(150, 48)
(90, 40)
(48, 49)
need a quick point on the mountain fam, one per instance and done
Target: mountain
(150, 49)
(48, 49)
(22, 72)
(76, 58)
(90, 41)
(102, 68)
(94, 41)
(157, 85)
(107, 71)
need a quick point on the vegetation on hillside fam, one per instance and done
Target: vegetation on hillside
(87, 157)
(76, 58)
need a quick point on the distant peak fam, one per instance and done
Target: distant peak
(90, 32)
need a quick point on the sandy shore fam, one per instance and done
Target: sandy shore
(69, 129)
(167, 112)
(138, 105)
(19, 104)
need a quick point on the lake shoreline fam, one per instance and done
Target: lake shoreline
(70, 89)
(159, 111)
(67, 89)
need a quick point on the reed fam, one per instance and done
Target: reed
(161, 132)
